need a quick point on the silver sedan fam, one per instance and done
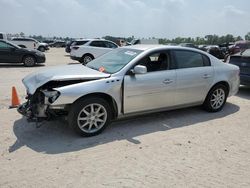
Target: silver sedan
(129, 81)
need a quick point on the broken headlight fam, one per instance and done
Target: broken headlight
(51, 95)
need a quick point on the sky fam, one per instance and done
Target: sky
(125, 18)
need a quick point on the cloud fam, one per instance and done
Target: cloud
(231, 10)
(10, 3)
(141, 18)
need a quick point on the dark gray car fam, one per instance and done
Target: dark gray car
(242, 60)
(11, 53)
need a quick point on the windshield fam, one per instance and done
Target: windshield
(113, 61)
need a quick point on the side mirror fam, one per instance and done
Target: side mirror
(140, 69)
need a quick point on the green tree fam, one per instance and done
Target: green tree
(247, 36)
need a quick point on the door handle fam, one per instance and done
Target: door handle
(167, 81)
(205, 76)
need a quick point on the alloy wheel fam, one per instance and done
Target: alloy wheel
(92, 118)
(217, 98)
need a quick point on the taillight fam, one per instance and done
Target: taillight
(75, 47)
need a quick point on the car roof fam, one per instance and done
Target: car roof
(145, 47)
(245, 53)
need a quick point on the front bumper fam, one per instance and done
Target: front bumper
(40, 59)
(245, 79)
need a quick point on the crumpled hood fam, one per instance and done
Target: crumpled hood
(60, 73)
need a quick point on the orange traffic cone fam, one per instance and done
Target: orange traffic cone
(15, 100)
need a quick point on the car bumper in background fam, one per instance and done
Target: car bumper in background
(245, 79)
(75, 58)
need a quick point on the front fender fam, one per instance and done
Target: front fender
(111, 86)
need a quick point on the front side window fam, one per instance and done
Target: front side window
(158, 61)
(188, 59)
(110, 45)
(113, 61)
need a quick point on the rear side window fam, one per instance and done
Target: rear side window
(1, 36)
(78, 43)
(189, 59)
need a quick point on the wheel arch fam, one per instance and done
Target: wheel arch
(31, 55)
(111, 101)
(225, 83)
(88, 54)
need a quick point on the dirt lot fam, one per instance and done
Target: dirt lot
(182, 148)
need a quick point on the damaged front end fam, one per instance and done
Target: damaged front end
(42, 90)
(38, 106)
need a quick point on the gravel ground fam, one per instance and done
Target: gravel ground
(181, 148)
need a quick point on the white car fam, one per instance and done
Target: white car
(128, 81)
(91, 50)
(30, 43)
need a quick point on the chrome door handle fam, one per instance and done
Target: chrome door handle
(205, 76)
(167, 81)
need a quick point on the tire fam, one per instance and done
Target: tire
(86, 58)
(29, 61)
(89, 116)
(216, 98)
(42, 49)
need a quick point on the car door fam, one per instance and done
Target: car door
(194, 76)
(152, 90)
(98, 48)
(6, 53)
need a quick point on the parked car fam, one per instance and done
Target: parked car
(239, 46)
(215, 51)
(70, 44)
(127, 81)
(30, 43)
(58, 44)
(242, 60)
(189, 45)
(91, 50)
(49, 41)
(11, 53)
(144, 41)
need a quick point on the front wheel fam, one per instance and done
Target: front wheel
(89, 116)
(86, 58)
(216, 98)
(29, 61)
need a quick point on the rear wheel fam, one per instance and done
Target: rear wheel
(29, 61)
(90, 116)
(216, 98)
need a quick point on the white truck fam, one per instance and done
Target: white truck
(3, 36)
(144, 41)
(30, 43)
